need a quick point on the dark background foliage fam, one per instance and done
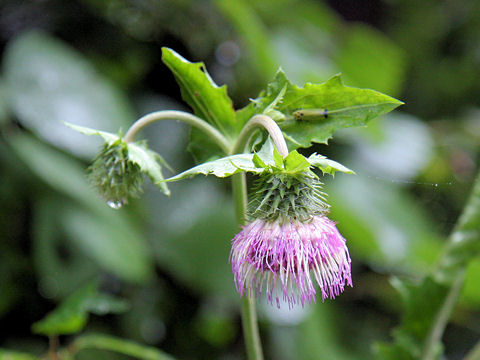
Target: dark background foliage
(101, 67)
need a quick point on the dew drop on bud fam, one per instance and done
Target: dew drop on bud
(116, 204)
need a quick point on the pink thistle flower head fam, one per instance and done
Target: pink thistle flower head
(289, 244)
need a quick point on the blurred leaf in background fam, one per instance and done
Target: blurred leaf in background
(49, 83)
(72, 315)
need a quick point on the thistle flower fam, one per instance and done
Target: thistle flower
(289, 243)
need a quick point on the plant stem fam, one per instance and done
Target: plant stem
(464, 244)
(249, 315)
(122, 346)
(193, 120)
(53, 347)
(441, 319)
(239, 184)
(259, 122)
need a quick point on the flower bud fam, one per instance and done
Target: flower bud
(116, 177)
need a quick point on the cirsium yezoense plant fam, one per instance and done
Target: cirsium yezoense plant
(288, 244)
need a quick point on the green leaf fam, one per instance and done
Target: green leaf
(268, 159)
(223, 167)
(208, 101)
(108, 137)
(326, 165)
(295, 162)
(72, 314)
(48, 83)
(271, 111)
(149, 162)
(428, 304)
(346, 106)
(244, 114)
(266, 153)
(258, 162)
(422, 301)
(277, 158)
(122, 346)
(15, 355)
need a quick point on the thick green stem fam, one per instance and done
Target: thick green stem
(239, 184)
(193, 120)
(249, 315)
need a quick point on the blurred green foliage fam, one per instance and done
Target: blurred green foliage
(98, 64)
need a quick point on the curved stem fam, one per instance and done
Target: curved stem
(258, 122)
(193, 120)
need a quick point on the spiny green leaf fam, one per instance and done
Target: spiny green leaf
(271, 111)
(257, 160)
(327, 166)
(296, 162)
(346, 106)
(108, 137)
(267, 160)
(266, 153)
(244, 114)
(208, 101)
(278, 158)
(223, 167)
(148, 161)
(72, 314)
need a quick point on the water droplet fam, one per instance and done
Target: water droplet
(116, 204)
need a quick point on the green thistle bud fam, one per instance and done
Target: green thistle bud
(283, 197)
(115, 176)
